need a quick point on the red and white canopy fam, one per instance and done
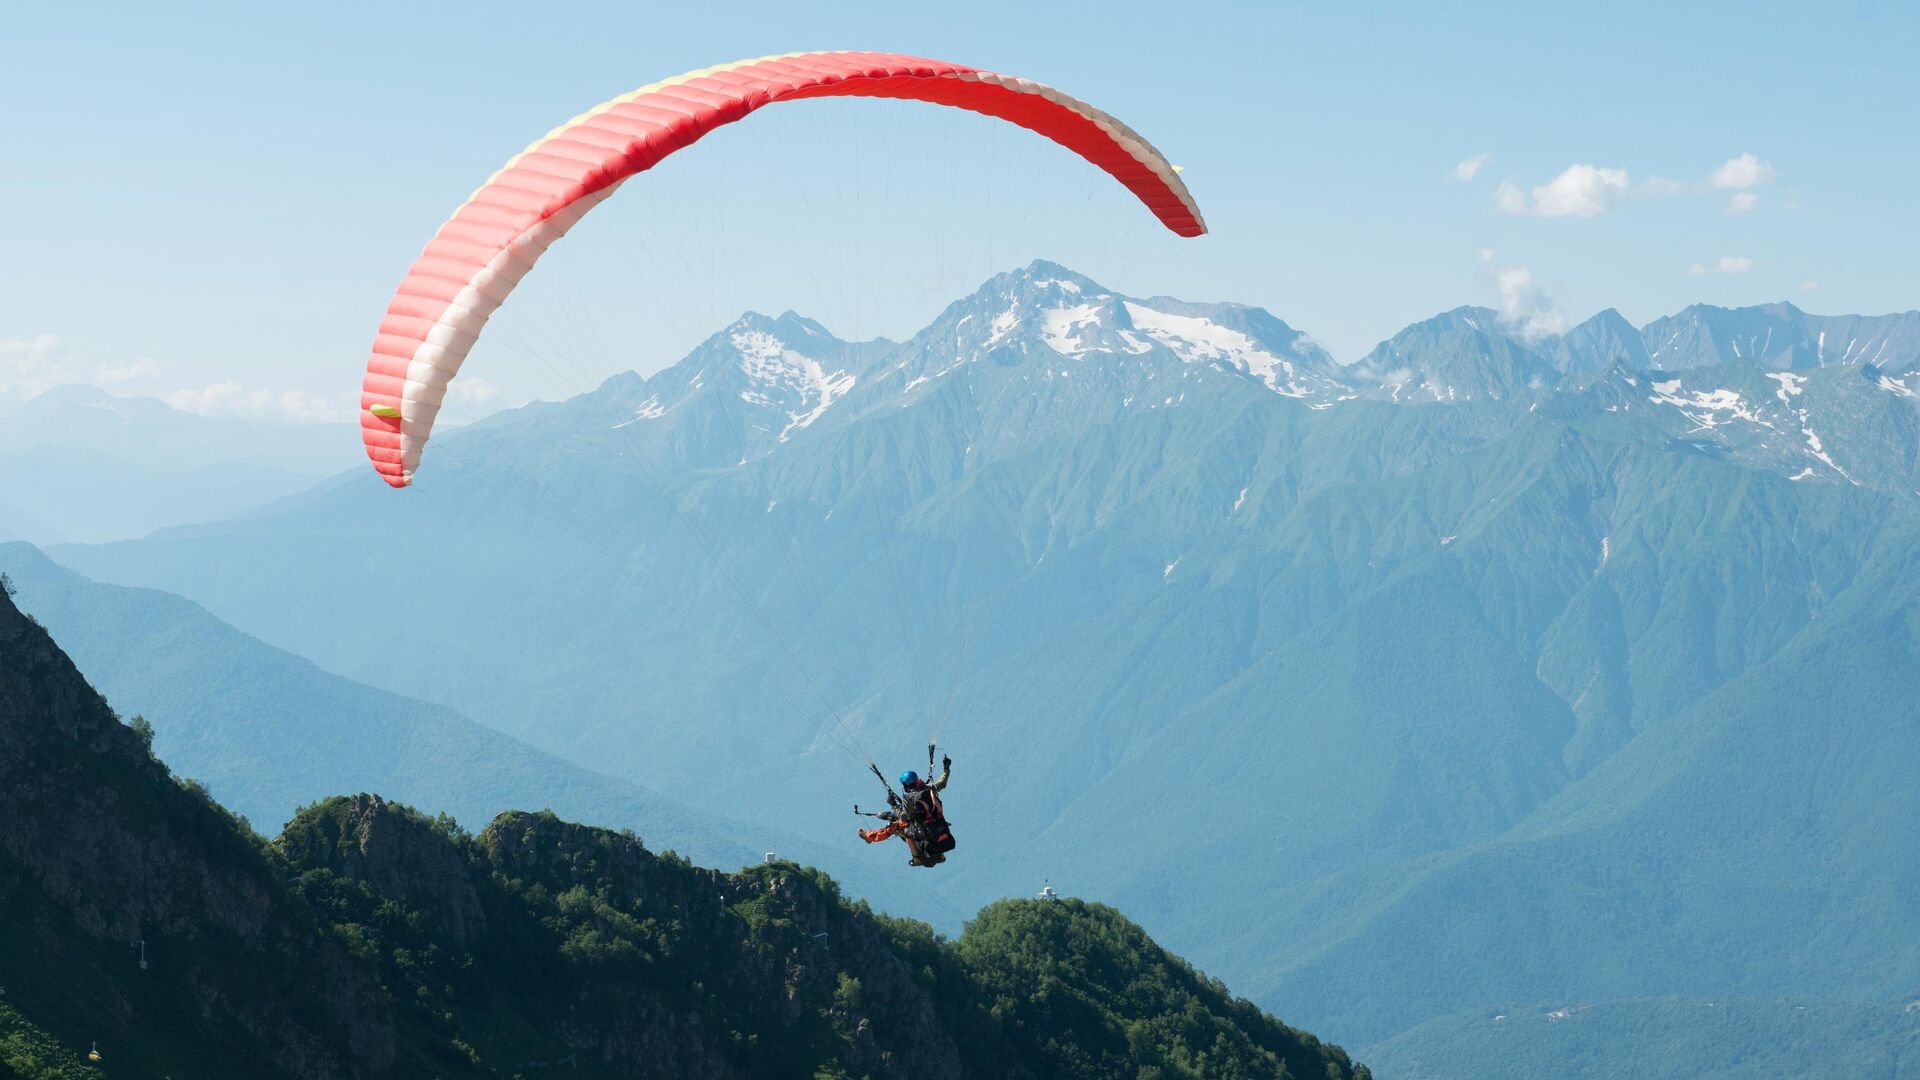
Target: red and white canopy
(493, 240)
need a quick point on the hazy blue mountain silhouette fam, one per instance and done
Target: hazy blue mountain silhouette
(269, 732)
(78, 463)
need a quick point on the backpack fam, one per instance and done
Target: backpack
(927, 821)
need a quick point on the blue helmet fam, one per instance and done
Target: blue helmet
(909, 779)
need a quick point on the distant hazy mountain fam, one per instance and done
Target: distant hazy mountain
(1472, 352)
(1460, 355)
(743, 391)
(1782, 336)
(1852, 424)
(79, 463)
(1442, 680)
(268, 732)
(1599, 343)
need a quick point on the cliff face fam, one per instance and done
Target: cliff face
(100, 849)
(370, 941)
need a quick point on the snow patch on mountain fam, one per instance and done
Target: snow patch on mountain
(650, 409)
(1818, 450)
(1003, 324)
(776, 371)
(1062, 327)
(1707, 409)
(1790, 385)
(1726, 412)
(1199, 340)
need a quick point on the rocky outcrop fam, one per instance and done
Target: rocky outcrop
(391, 850)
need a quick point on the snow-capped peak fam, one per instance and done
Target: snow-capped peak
(783, 378)
(1047, 312)
(787, 372)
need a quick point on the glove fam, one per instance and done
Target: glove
(945, 762)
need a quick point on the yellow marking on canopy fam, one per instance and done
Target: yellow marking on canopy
(385, 411)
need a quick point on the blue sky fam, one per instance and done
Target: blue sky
(213, 204)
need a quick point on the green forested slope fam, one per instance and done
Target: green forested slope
(368, 940)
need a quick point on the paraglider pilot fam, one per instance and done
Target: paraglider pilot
(917, 817)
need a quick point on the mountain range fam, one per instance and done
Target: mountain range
(1490, 668)
(140, 920)
(78, 463)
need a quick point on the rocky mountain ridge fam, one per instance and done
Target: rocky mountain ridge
(1047, 324)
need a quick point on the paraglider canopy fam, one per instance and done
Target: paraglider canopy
(493, 240)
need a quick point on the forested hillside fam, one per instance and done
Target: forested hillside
(142, 924)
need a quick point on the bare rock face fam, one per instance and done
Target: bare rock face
(392, 852)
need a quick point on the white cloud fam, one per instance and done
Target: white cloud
(29, 366)
(39, 347)
(1741, 172)
(221, 399)
(32, 366)
(1582, 191)
(1586, 191)
(134, 370)
(1523, 304)
(1725, 264)
(231, 399)
(1470, 168)
(472, 390)
(1809, 286)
